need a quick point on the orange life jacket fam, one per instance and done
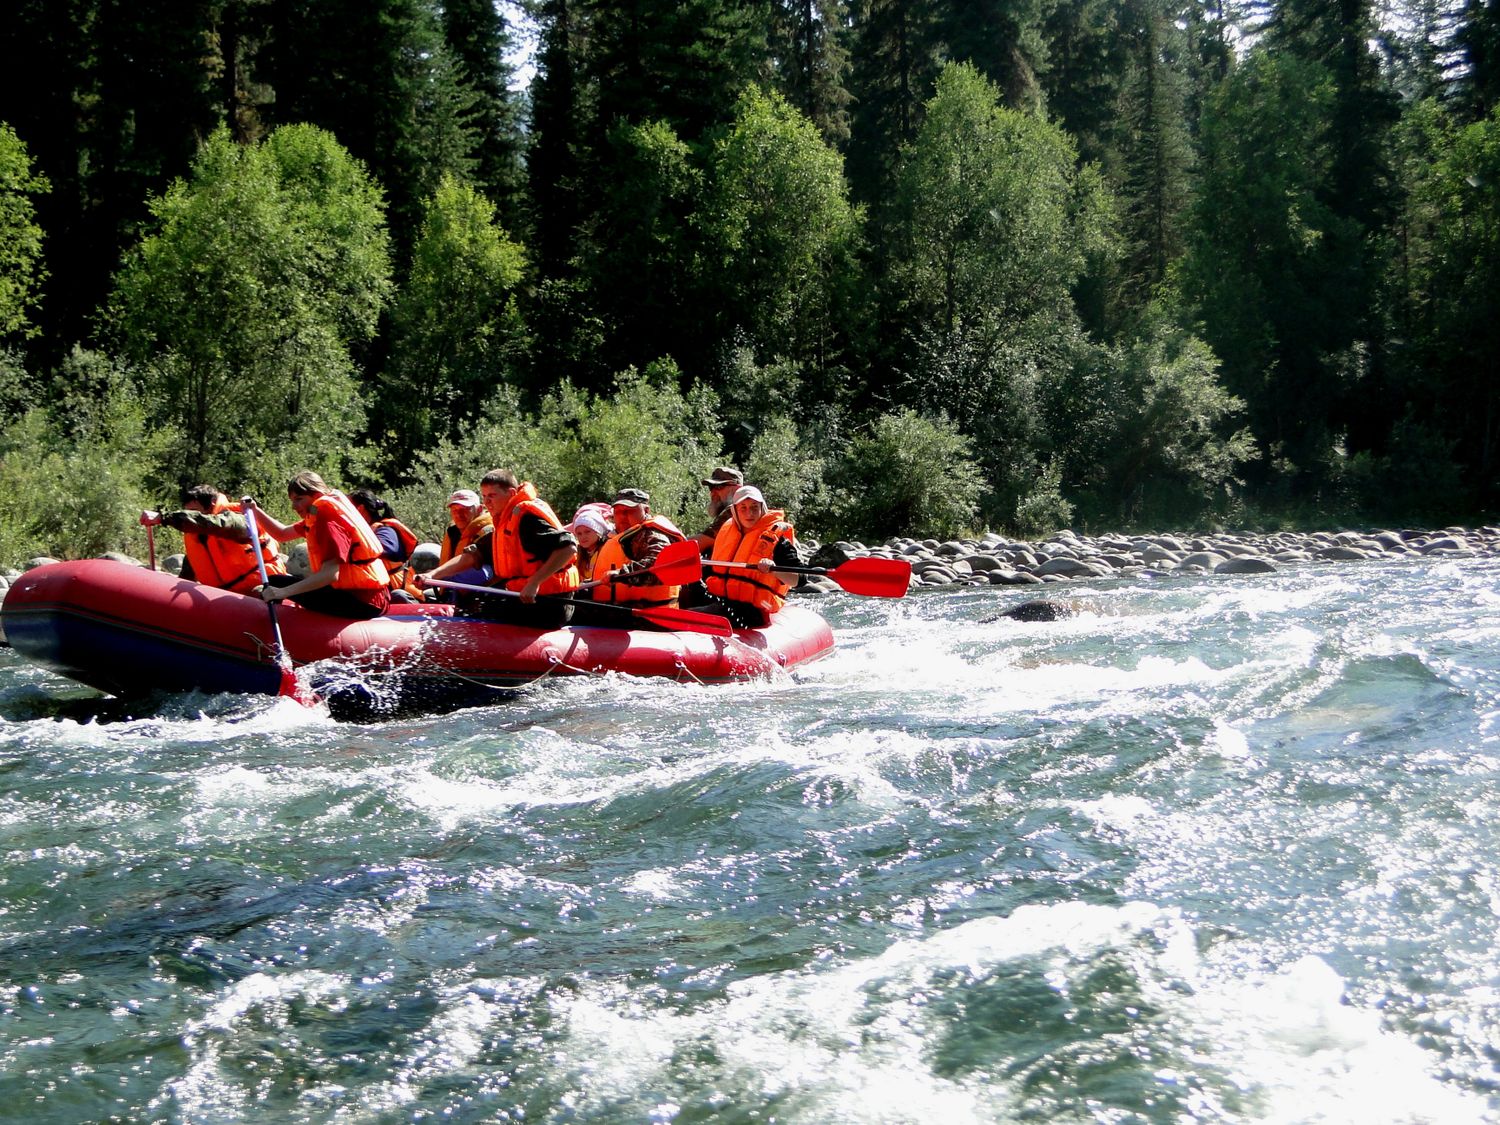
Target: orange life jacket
(455, 542)
(364, 571)
(513, 566)
(759, 542)
(612, 556)
(229, 564)
(407, 540)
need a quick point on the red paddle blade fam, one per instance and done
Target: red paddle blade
(678, 564)
(874, 578)
(686, 621)
(293, 688)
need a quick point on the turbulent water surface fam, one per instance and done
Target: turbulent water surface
(1212, 849)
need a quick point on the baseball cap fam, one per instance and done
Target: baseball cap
(747, 492)
(465, 496)
(632, 497)
(724, 475)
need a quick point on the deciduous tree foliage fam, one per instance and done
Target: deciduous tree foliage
(242, 303)
(21, 268)
(456, 324)
(1045, 240)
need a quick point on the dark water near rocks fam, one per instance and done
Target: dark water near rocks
(1213, 849)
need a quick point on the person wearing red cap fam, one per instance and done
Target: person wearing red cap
(764, 538)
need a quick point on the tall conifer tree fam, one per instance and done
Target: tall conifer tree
(812, 62)
(478, 37)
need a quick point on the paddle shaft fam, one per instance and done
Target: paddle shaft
(151, 544)
(667, 616)
(282, 657)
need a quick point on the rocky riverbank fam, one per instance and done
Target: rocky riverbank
(994, 560)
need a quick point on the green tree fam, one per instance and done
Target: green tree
(684, 63)
(894, 63)
(112, 101)
(243, 301)
(479, 38)
(456, 328)
(908, 475)
(1479, 39)
(641, 253)
(1143, 429)
(647, 434)
(21, 267)
(812, 62)
(1280, 267)
(1453, 294)
(96, 447)
(379, 76)
(781, 233)
(999, 225)
(1005, 41)
(1155, 188)
(998, 221)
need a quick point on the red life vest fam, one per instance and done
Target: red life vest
(364, 570)
(513, 566)
(759, 542)
(229, 564)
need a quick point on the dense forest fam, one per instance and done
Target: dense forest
(919, 265)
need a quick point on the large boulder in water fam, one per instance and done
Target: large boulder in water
(830, 555)
(172, 564)
(1041, 610)
(1246, 564)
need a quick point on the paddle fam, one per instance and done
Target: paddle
(151, 544)
(874, 578)
(676, 565)
(289, 685)
(677, 620)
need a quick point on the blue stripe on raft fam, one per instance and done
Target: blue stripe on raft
(142, 659)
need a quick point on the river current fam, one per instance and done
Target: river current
(1212, 849)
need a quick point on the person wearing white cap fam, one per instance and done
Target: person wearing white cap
(764, 538)
(591, 529)
(470, 523)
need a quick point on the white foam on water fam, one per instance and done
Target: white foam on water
(1308, 1057)
(852, 1042)
(448, 1045)
(208, 1091)
(1227, 741)
(659, 884)
(848, 1043)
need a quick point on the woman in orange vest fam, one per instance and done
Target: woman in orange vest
(758, 535)
(632, 550)
(348, 579)
(216, 541)
(532, 553)
(397, 541)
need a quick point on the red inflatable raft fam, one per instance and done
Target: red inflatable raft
(129, 631)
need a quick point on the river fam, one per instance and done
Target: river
(1212, 849)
